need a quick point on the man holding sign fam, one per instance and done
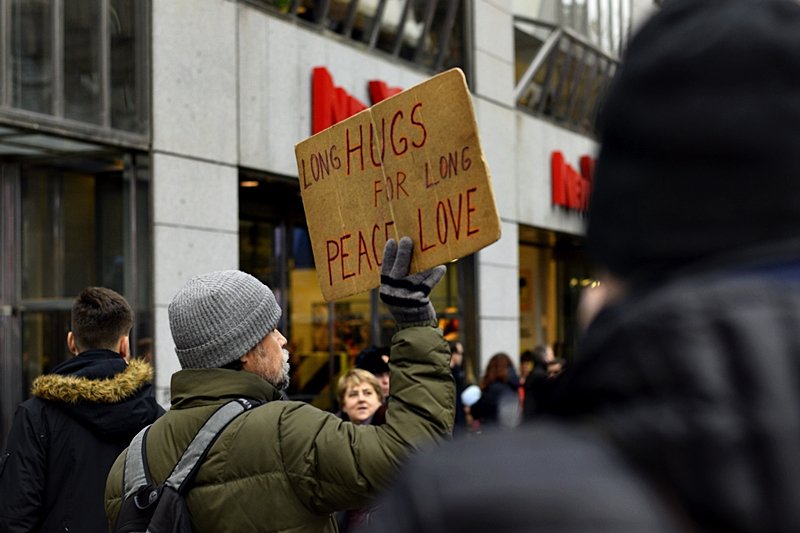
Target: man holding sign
(288, 466)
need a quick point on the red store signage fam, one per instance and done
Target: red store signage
(331, 104)
(571, 189)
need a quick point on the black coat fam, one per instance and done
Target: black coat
(681, 411)
(65, 438)
(496, 398)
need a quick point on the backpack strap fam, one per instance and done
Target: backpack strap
(186, 469)
(135, 475)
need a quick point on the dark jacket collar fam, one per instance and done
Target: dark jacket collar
(92, 364)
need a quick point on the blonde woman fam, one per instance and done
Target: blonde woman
(361, 401)
(361, 397)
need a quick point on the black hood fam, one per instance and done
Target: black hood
(101, 391)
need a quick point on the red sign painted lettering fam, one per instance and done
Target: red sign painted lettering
(571, 189)
(331, 104)
(379, 90)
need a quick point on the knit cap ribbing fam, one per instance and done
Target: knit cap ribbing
(218, 317)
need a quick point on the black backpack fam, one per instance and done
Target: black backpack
(150, 508)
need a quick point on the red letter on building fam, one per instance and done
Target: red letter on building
(329, 104)
(379, 90)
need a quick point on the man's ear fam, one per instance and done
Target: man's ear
(124, 347)
(245, 359)
(71, 344)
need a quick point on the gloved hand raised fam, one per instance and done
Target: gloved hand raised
(407, 296)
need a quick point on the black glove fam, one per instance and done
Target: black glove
(407, 296)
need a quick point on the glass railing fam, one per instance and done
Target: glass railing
(560, 75)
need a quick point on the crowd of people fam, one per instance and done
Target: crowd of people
(679, 411)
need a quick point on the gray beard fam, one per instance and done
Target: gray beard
(284, 379)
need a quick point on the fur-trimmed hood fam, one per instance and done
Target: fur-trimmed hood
(101, 391)
(73, 389)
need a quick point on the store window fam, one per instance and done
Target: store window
(324, 338)
(77, 231)
(553, 271)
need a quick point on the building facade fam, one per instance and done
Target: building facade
(142, 143)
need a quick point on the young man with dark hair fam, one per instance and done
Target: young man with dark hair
(81, 415)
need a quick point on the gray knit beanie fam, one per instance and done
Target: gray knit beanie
(218, 317)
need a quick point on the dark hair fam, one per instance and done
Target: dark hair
(100, 316)
(539, 355)
(371, 359)
(499, 368)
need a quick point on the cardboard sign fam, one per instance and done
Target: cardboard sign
(409, 165)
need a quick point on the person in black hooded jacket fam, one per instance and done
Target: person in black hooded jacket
(681, 408)
(81, 415)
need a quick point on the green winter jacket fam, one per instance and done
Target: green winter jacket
(286, 466)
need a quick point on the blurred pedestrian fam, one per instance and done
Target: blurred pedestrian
(534, 367)
(81, 415)
(286, 465)
(499, 401)
(145, 349)
(361, 399)
(375, 360)
(680, 410)
(460, 378)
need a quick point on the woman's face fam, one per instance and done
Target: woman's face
(360, 402)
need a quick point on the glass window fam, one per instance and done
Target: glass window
(82, 223)
(553, 270)
(126, 22)
(75, 218)
(31, 61)
(537, 298)
(84, 60)
(44, 343)
(83, 83)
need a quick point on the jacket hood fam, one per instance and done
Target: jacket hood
(113, 399)
(697, 383)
